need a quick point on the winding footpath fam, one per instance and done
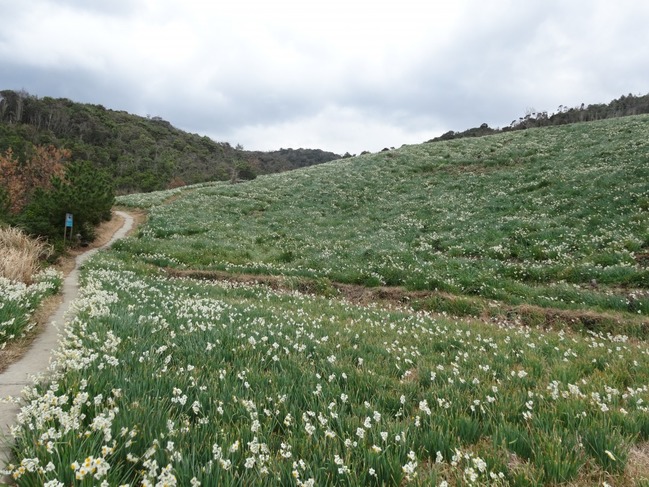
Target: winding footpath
(37, 358)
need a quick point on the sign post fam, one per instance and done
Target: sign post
(68, 224)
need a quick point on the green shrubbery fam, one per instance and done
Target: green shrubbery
(84, 192)
(40, 187)
(138, 153)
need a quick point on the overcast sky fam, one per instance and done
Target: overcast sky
(338, 75)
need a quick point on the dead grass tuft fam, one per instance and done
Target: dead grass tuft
(638, 462)
(20, 254)
(411, 375)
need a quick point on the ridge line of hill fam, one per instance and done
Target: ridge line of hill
(144, 154)
(626, 105)
(140, 153)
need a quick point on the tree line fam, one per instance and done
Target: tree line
(624, 106)
(138, 153)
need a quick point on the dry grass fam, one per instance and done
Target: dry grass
(20, 254)
(638, 463)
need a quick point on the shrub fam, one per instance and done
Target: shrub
(85, 192)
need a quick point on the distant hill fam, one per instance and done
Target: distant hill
(140, 153)
(621, 107)
(287, 159)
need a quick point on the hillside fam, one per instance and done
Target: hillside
(553, 217)
(141, 154)
(278, 332)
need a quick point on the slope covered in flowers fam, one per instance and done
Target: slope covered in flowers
(164, 381)
(553, 217)
(170, 381)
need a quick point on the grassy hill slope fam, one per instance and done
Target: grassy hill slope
(553, 217)
(229, 381)
(139, 153)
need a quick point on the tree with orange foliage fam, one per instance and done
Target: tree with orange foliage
(19, 179)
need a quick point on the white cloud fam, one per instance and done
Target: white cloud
(336, 129)
(337, 74)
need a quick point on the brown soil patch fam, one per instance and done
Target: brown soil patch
(410, 375)
(104, 233)
(274, 282)
(443, 304)
(638, 462)
(355, 294)
(395, 296)
(642, 258)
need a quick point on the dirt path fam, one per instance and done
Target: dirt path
(37, 358)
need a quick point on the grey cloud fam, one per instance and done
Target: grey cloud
(117, 8)
(504, 57)
(74, 84)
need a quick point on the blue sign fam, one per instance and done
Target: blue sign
(68, 220)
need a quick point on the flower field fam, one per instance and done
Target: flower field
(163, 381)
(22, 285)
(552, 218)
(18, 301)
(166, 381)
